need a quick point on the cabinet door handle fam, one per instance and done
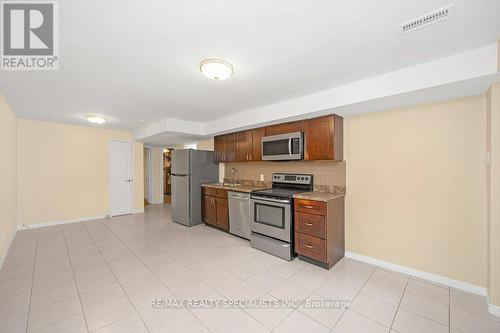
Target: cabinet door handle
(309, 246)
(309, 207)
(309, 224)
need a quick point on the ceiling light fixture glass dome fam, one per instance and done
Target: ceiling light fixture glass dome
(96, 119)
(216, 69)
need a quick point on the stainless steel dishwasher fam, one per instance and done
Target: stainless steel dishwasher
(239, 214)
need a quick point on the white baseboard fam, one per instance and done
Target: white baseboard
(7, 248)
(493, 309)
(73, 220)
(67, 221)
(471, 288)
(464, 286)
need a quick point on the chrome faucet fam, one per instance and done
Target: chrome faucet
(234, 170)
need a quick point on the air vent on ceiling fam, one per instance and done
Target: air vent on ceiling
(426, 19)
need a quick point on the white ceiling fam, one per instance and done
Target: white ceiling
(136, 60)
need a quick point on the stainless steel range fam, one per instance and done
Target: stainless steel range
(271, 214)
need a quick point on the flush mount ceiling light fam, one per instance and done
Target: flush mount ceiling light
(95, 119)
(216, 69)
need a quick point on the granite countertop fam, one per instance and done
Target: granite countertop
(318, 196)
(237, 188)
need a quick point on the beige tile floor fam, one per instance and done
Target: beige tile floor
(100, 276)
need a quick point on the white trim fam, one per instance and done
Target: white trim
(471, 288)
(151, 179)
(72, 220)
(150, 173)
(493, 309)
(66, 221)
(7, 248)
(162, 178)
(109, 177)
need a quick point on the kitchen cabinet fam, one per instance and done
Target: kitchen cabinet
(208, 213)
(225, 148)
(244, 141)
(222, 213)
(319, 230)
(257, 135)
(294, 126)
(249, 145)
(323, 138)
(215, 208)
(219, 148)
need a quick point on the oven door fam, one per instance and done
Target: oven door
(282, 147)
(271, 217)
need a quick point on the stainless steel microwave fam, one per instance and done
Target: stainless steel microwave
(283, 147)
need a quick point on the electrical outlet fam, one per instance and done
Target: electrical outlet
(261, 177)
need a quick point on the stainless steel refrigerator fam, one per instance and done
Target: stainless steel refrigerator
(190, 169)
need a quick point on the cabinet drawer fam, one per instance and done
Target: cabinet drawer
(311, 247)
(310, 224)
(310, 206)
(215, 192)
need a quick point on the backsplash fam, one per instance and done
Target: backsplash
(324, 172)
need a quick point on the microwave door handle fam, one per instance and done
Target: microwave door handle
(290, 146)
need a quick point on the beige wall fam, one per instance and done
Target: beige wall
(207, 144)
(416, 188)
(324, 172)
(494, 195)
(8, 177)
(63, 171)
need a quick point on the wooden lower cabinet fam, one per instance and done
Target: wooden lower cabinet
(319, 230)
(215, 208)
(208, 212)
(222, 213)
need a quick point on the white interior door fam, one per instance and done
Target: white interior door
(121, 178)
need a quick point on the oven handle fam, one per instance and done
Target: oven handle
(271, 200)
(290, 146)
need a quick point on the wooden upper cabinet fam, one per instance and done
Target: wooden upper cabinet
(323, 138)
(225, 148)
(230, 147)
(257, 135)
(219, 148)
(294, 126)
(249, 145)
(244, 145)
